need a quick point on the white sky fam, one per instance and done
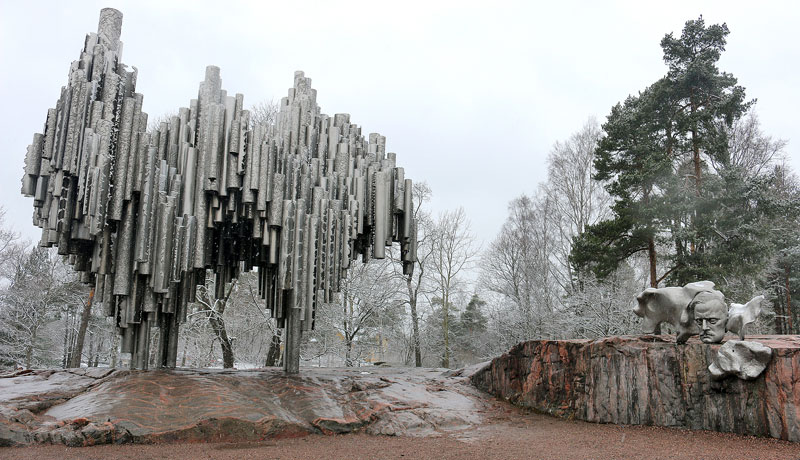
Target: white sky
(471, 95)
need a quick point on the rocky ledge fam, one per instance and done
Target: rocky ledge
(81, 407)
(650, 380)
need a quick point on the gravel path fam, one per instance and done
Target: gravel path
(508, 434)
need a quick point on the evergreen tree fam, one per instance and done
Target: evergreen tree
(472, 320)
(782, 276)
(442, 314)
(693, 223)
(733, 228)
(703, 95)
(633, 158)
(707, 103)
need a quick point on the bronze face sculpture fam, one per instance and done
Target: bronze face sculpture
(710, 315)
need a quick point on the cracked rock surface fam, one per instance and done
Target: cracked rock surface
(79, 407)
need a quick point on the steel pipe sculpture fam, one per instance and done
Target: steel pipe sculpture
(143, 215)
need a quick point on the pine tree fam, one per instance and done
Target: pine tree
(472, 320)
(633, 158)
(693, 222)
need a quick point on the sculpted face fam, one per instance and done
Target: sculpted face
(710, 314)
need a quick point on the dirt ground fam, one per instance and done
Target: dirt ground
(508, 434)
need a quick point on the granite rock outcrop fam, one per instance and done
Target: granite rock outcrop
(650, 380)
(80, 407)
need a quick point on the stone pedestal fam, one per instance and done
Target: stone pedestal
(650, 380)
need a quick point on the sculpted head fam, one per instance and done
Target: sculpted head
(710, 315)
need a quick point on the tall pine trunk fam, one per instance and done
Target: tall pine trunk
(651, 256)
(780, 312)
(698, 184)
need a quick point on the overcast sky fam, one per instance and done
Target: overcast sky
(471, 95)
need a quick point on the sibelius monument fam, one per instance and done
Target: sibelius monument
(143, 215)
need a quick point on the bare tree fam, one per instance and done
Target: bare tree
(156, 122)
(601, 309)
(9, 244)
(527, 268)
(369, 293)
(197, 340)
(237, 319)
(417, 283)
(77, 351)
(213, 308)
(453, 249)
(519, 267)
(40, 284)
(256, 332)
(575, 199)
(749, 149)
(264, 112)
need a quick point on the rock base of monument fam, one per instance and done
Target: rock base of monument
(650, 380)
(80, 407)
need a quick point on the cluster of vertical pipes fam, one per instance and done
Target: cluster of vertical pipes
(143, 215)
